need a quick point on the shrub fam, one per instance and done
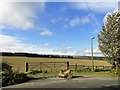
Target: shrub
(6, 68)
(9, 77)
(115, 72)
(13, 78)
(98, 70)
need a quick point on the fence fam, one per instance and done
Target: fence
(78, 67)
(40, 66)
(46, 66)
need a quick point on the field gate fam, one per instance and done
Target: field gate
(41, 66)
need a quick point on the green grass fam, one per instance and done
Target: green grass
(99, 73)
(85, 72)
(75, 73)
(42, 74)
(102, 73)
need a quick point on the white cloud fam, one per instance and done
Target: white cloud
(109, 13)
(56, 20)
(117, 9)
(2, 27)
(46, 32)
(53, 21)
(100, 7)
(19, 14)
(105, 18)
(76, 21)
(10, 43)
(66, 49)
(119, 6)
(46, 45)
(15, 44)
(65, 26)
(64, 0)
(96, 52)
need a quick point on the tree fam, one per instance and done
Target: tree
(109, 39)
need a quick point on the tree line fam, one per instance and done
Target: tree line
(34, 55)
(22, 54)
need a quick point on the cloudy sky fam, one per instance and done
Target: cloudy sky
(63, 28)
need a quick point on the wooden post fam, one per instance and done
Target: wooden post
(75, 66)
(88, 67)
(103, 67)
(54, 65)
(96, 67)
(67, 65)
(40, 66)
(26, 67)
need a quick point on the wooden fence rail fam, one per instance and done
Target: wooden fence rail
(78, 67)
(29, 66)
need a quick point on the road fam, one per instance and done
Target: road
(79, 82)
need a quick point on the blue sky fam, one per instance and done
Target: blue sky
(52, 27)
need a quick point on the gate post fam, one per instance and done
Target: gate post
(103, 67)
(67, 65)
(75, 66)
(40, 66)
(26, 67)
(54, 65)
(96, 67)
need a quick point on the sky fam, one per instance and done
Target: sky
(62, 28)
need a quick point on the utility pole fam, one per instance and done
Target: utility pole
(92, 53)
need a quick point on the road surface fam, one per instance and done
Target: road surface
(77, 82)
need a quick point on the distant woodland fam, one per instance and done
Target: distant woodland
(21, 54)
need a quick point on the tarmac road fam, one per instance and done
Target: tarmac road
(76, 82)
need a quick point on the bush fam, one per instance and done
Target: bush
(6, 68)
(98, 70)
(13, 78)
(9, 77)
(115, 72)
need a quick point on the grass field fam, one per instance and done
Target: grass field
(18, 63)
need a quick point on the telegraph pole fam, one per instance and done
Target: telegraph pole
(92, 53)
